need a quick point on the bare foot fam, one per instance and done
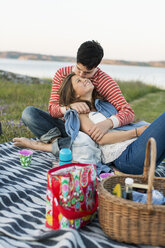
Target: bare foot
(24, 142)
(33, 144)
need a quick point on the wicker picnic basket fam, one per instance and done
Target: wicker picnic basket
(131, 222)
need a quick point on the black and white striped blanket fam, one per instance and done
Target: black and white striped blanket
(22, 208)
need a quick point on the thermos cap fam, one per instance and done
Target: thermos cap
(129, 181)
(65, 154)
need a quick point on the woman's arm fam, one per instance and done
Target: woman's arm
(112, 137)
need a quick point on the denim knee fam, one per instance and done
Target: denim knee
(27, 114)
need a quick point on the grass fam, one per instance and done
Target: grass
(147, 101)
(13, 100)
(136, 89)
(150, 106)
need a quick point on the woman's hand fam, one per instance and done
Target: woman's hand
(80, 107)
(140, 130)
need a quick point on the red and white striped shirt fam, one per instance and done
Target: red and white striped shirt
(104, 85)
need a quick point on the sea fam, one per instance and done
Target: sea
(46, 69)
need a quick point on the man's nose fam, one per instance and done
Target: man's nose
(82, 74)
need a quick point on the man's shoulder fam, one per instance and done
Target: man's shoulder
(101, 74)
(64, 71)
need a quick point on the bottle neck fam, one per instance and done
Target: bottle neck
(128, 188)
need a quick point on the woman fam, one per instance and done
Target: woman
(125, 148)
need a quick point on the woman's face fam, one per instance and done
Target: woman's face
(83, 87)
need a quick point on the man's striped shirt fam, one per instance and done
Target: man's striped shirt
(104, 85)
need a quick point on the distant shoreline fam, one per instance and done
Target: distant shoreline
(42, 57)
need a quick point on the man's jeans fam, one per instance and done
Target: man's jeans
(132, 159)
(40, 122)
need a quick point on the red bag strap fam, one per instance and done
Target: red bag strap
(68, 165)
(71, 215)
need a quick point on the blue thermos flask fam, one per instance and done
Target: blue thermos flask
(65, 156)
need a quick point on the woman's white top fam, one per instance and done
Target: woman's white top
(109, 152)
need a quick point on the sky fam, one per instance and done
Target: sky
(127, 29)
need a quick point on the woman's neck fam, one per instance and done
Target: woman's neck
(87, 97)
(89, 102)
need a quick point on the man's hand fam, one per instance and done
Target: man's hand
(99, 129)
(80, 107)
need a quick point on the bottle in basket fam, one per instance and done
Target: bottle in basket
(128, 188)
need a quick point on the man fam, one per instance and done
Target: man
(43, 125)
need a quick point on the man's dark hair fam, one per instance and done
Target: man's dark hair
(90, 54)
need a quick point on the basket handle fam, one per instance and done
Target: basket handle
(149, 171)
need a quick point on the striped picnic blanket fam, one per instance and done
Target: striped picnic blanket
(22, 207)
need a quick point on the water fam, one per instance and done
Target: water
(149, 75)
(46, 69)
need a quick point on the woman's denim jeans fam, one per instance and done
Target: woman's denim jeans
(132, 159)
(40, 122)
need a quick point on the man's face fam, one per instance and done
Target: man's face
(83, 72)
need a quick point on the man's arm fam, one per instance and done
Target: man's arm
(97, 131)
(54, 109)
(110, 90)
(109, 138)
(112, 137)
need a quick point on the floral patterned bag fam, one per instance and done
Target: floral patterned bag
(71, 199)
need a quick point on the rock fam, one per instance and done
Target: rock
(19, 78)
(0, 128)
